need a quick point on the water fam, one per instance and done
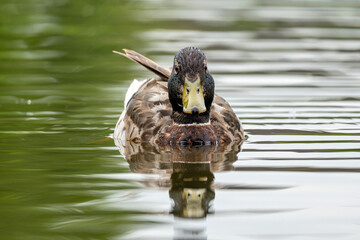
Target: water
(290, 70)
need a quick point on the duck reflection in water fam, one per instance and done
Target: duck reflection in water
(191, 189)
(187, 171)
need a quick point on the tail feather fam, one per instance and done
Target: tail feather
(162, 72)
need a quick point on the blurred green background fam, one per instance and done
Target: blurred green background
(56, 66)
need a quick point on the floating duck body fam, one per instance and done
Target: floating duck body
(177, 108)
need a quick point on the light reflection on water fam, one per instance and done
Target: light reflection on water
(290, 70)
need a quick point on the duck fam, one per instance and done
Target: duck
(177, 107)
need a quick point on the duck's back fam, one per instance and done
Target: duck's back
(147, 118)
(145, 113)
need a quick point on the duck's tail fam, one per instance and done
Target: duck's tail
(162, 72)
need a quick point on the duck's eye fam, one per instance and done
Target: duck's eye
(176, 69)
(187, 90)
(198, 90)
(205, 68)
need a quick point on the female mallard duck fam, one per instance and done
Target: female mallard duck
(179, 108)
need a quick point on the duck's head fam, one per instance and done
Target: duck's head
(191, 87)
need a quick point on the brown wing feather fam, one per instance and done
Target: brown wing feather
(148, 112)
(162, 72)
(224, 118)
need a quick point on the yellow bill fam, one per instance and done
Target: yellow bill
(193, 97)
(193, 202)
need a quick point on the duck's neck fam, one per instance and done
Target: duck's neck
(183, 118)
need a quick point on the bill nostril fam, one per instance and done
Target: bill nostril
(195, 110)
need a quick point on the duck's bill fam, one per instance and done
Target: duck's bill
(194, 199)
(193, 97)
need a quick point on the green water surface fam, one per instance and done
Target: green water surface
(290, 69)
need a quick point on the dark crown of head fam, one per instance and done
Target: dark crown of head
(190, 58)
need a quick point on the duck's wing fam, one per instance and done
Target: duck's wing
(146, 114)
(162, 72)
(223, 117)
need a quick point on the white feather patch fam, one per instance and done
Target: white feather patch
(133, 88)
(218, 108)
(158, 97)
(194, 124)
